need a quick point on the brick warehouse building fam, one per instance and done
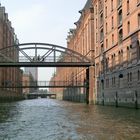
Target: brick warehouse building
(8, 75)
(79, 39)
(109, 30)
(117, 51)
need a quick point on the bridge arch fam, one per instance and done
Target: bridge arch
(41, 54)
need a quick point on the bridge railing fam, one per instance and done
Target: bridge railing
(24, 84)
(48, 59)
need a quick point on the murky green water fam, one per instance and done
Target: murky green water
(45, 119)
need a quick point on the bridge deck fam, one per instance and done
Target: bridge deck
(44, 64)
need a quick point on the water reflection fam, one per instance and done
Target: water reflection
(45, 119)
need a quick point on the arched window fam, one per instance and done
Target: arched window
(112, 39)
(96, 24)
(112, 5)
(128, 7)
(106, 43)
(102, 48)
(129, 53)
(119, 57)
(96, 10)
(101, 19)
(113, 60)
(120, 35)
(139, 20)
(106, 28)
(96, 37)
(106, 11)
(101, 35)
(128, 57)
(128, 27)
(129, 77)
(107, 63)
(112, 22)
(120, 17)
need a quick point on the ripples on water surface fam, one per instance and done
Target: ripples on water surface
(45, 119)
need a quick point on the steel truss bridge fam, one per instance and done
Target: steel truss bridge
(41, 55)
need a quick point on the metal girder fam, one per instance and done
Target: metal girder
(82, 86)
(45, 64)
(27, 56)
(70, 58)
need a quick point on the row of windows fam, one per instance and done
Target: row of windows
(120, 37)
(112, 59)
(120, 33)
(112, 6)
(112, 81)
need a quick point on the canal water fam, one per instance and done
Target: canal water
(46, 119)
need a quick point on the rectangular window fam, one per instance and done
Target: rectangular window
(106, 43)
(96, 24)
(139, 20)
(120, 17)
(112, 22)
(106, 11)
(96, 10)
(120, 36)
(101, 35)
(129, 53)
(101, 19)
(96, 37)
(106, 28)
(128, 7)
(112, 39)
(128, 27)
(111, 5)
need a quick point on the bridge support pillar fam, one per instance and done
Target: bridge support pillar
(90, 78)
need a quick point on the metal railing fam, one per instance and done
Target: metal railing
(37, 84)
(48, 59)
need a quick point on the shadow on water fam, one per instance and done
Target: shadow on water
(7, 110)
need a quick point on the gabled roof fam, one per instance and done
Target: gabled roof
(88, 5)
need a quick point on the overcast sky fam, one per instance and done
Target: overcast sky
(46, 21)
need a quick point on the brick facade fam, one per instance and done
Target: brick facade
(8, 38)
(117, 50)
(81, 40)
(108, 32)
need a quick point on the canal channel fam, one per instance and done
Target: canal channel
(47, 119)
